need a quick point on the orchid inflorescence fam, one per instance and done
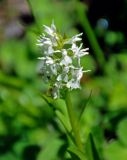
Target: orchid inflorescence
(60, 60)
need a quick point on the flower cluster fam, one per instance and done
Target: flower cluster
(60, 61)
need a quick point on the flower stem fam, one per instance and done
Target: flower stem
(73, 122)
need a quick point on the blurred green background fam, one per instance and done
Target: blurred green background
(28, 128)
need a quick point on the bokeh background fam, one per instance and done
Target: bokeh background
(29, 129)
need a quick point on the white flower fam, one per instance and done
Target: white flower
(74, 39)
(50, 30)
(60, 63)
(72, 84)
(78, 52)
(66, 60)
(55, 92)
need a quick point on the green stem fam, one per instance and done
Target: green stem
(89, 32)
(73, 122)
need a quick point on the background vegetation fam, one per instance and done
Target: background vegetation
(28, 127)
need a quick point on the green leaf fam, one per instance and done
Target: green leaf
(84, 106)
(64, 120)
(55, 104)
(66, 124)
(8, 156)
(19, 147)
(50, 151)
(75, 151)
(11, 81)
(92, 149)
(48, 100)
(115, 151)
(122, 131)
